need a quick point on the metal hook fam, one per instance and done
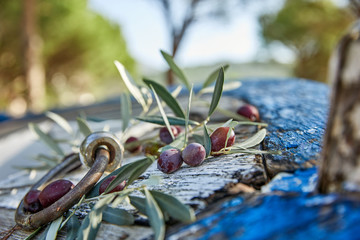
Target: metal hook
(101, 151)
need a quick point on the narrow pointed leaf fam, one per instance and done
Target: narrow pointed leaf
(45, 138)
(133, 89)
(164, 94)
(53, 230)
(172, 120)
(227, 87)
(207, 141)
(177, 71)
(188, 115)
(117, 216)
(155, 216)
(92, 221)
(162, 112)
(212, 77)
(123, 173)
(139, 203)
(217, 92)
(62, 122)
(253, 140)
(72, 227)
(83, 126)
(173, 206)
(125, 110)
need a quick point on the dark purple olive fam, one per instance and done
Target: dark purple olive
(194, 154)
(165, 135)
(250, 112)
(218, 138)
(106, 183)
(54, 191)
(31, 201)
(131, 147)
(169, 161)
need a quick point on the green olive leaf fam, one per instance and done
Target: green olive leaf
(129, 172)
(177, 71)
(253, 140)
(155, 216)
(91, 224)
(62, 122)
(212, 77)
(72, 227)
(164, 94)
(162, 112)
(173, 206)
(133, 89)
(188, 115)
(117, 216)
(53, 229)
(139, 203)
(83, 126)
(172, 120)
(207, 141)
(125, 110)
(217, 92)
(45, 138)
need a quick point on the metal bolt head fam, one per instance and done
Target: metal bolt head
(101, 139)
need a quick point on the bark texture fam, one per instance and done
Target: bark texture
(340, 160)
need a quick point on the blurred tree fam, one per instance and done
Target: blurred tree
(311, 29)
(77, 48)
(180, 18)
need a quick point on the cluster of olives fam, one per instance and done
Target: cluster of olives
(36, 200)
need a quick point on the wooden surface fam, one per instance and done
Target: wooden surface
(230, 193)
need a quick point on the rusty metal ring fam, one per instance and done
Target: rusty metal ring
(101, 161)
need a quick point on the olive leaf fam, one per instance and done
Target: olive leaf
(252, 141)
(155, 215)
(117, 216)
(207, 141)
(125, 110)
(33, 234)
(83, 126)
(92, 221)
(139, 203)
(164, 94)
(129, 172)
(62, 122)
(227, 87)
(162, 112)
(133, 89)
(177, 71)
(188, 107)
(53, 229)
(217, 92)
(46, 139)
(173, 206)
(172, 120)
(72, 227)
(212, 77)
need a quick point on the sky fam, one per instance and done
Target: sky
(143, 26)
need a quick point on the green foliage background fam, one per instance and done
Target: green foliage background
(79, 47)
(311, 30)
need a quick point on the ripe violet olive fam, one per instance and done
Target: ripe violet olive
(31, 201)
(106, 183)
(250, 112)
(218, 138)
(193, 154)
(54, 191)
(169, 161)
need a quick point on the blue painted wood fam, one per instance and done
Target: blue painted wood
(288, 208)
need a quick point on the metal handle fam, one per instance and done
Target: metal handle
(106, 152)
